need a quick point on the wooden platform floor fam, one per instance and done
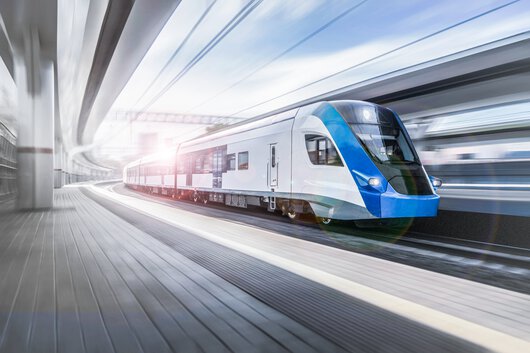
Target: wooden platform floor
(79, 279)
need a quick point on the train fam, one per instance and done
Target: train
(337, 160)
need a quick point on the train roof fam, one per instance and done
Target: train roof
(250, 124)
(265, 120)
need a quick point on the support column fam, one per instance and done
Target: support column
(58, 158)
(64, 174)
(34, 77)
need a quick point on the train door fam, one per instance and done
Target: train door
(189, 170)
(273, 165)
(217, 166)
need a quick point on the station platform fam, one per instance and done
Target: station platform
(106, 272)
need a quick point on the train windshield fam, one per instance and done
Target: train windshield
(379, 133)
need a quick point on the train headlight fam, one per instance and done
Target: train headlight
(374, 182)
(436, 182)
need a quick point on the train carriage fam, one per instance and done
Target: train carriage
(347, 160)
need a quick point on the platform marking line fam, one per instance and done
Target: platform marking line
(469, 331)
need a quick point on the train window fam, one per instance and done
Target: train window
(273, 156)
(207, 162)
(181, 165)
(242, 158)
(332, 156)
(379, 132)
(198, 165)
(231, 161)
(321, 151)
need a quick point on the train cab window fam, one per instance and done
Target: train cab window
(379, 132)
(242, 159)
(321, 151)
(231, 161)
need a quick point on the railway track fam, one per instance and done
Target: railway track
(499, 265)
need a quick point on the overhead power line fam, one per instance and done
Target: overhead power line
(238, 113)
(236, 20)
(343, 14)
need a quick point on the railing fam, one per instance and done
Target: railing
(8, 163)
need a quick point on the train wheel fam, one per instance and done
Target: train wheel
(283, 208)
(291, 213)
(323, 220)
(205, 199)
(195, 197)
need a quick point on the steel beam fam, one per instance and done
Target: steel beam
(157, 117)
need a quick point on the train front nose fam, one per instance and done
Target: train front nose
(396, 205)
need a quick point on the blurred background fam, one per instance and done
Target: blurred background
(458, 74)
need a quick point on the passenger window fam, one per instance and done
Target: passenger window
(207, 162)
(231, 161)
(273, 156)
(242, 159)
(321, 151)
(181, 165)
(198, 165)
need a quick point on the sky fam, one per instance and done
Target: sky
(274, 55)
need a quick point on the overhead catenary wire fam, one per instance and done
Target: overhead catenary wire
(234, 22)
(227, 29)
(238, 18)
(341, 15)
(179, 48)
(377, 57)
(356, 65)
(166, 65)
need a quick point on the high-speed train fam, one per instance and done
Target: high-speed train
(344, 160)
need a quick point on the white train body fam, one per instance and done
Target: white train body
(303, 160)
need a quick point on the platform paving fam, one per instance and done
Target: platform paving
(79, 279)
